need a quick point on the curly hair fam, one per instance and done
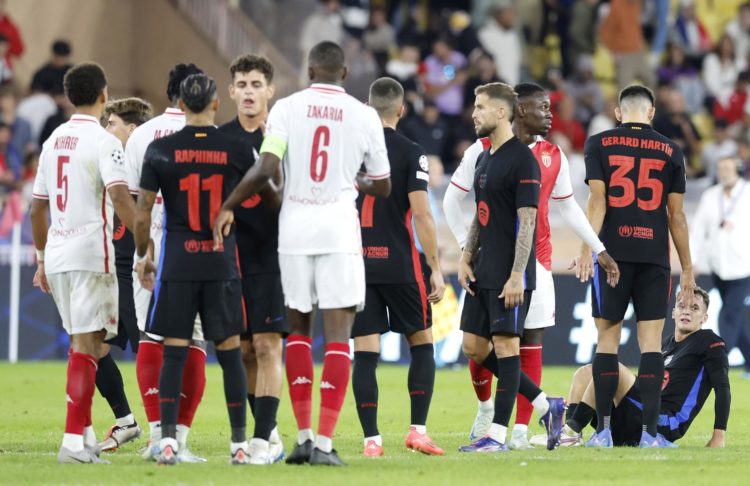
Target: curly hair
(252, 62)
(176, 76)
(84, 83)
(130, 110)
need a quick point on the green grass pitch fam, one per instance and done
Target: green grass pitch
(32, 415)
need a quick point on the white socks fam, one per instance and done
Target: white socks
(154, 429)
(520, 429)
(487, 405)
(541, 405)
(304, 435)
(235, 446)
(324, 443)
(378, 440)
(73, 442)
(498, 432)
(89, 437)
(125, 421)
(421, 429)
(182, 434)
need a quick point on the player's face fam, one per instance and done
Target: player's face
(251, 93)
(537, 114)
(686, 319)
(117, 127)
(486, 114)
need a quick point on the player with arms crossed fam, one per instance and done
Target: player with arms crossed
(194, 168)
(532, 122)
(150, 350)
(81, 169)
(507, 192)
(636, 179)
(695, 362)
(121, 117)
(397, 298)
(257, 245)
(323, 136)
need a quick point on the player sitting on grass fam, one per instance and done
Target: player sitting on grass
(695, 361)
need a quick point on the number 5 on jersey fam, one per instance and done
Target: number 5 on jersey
(624, 165)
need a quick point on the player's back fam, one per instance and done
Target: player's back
(78, 162)
(195, 169)
(329, 135)
(640, 168)
(387, 239)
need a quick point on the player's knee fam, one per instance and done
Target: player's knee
(267, 347)
(420, 337)
(583, 374)
(472, 352)
(248, 354)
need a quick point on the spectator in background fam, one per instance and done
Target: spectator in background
(660, 22)
(21, 140)
(566, 130)
(720, 71)
(379, 38)
(444, 75)
(65, 110)
(9, 30)
(677, 71)
(605, 119)
(674, 122)
(500, 38)
(10, 161)
(719, 147)
(585, 90)
(739, 30)
(735, 109)
(405, 69)
(38, 106)
(463, 33)
(481, 71)
(428, 130)
(354, 14)
(582, 29)
(6, 72)
(689, 32)
(53, 72)
(621, 34)
(325, 24)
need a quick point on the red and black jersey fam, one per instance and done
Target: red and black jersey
(122, 239)
(640, 168)
(387, 238)
(195, 169)
(504, 181)
(257, 223)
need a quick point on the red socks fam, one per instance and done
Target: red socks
(481, 378)
(531, 364)
(193, 385)
(80, 391)
(299, 374)
(333, 386)
(147, 368)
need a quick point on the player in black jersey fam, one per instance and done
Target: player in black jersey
(695, 363)
(397, 295)
(120, 119)
(257, 245)
(500, 281)
(637, 182)
(195, 168)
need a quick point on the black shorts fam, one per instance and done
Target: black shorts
(175, 305)
(401, 308)
(627, 421)
(648, 285)
(485, 315)
(263, 301)
(127, 328)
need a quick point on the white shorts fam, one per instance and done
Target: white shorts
(142, 298)
(542, 308)
(333, 281)
(86, 301)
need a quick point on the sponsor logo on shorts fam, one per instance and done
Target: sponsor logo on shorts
(252, 202)
(201, 246)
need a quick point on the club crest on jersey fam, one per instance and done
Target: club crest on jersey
(668, 360)
(423, 163)
(546, 159)
(482, 180)
(118, 157)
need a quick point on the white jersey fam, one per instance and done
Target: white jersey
(329, 135)
(172, 120)
(79, 161)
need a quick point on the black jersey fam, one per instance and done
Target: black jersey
(692, 368)
(387, 238)
(504, 181)
(195, 169)
(257, 223)
(640, 168)
(124, 244)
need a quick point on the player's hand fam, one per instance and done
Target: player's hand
(583, 265)
(513, 291)
(222, 226)
(438, 287)
(609, 265)
(40, 279)
(687, 287)
(717, 439)
(146, 271)
(466, 275)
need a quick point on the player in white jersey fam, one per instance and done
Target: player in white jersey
(532, 122)
(71, 217)
(149, 358)
(323, 136)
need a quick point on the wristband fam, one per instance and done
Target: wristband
(40, 256)
(141, 259)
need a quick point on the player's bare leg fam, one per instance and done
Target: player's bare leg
(650, 377)
(266, 447)
(479, 352)
(531, 364)
(365, 387)
(605, 370)
(251, 370)
(111, 387)
(421, 384)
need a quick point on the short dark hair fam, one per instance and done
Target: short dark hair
(500, 91)
(84, 83)
(526, 90)
(197, 91)
(386, 96)
(131, 110)
(176, 76)
(327, 56)
(61, 48)
(635, 91)
(251, 62)
(703, 295)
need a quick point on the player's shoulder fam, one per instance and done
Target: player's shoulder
(545, 145)
(710, 339)
(473, 151)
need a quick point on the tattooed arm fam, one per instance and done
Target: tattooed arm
(465, 268)
(514, 287)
